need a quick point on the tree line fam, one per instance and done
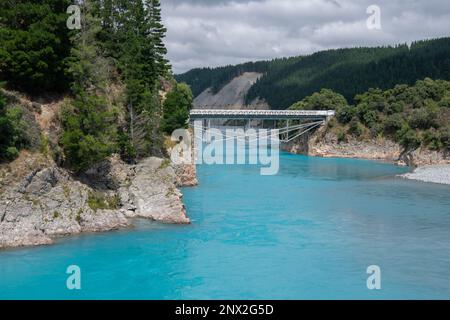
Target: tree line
(346, 71)
(114, 68)
(414, 116)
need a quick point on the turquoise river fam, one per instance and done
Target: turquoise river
(309, 232)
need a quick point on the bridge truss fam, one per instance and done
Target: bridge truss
(290, 124)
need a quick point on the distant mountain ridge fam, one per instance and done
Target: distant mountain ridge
(346, 71)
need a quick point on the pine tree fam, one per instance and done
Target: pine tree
(89, 122)
(34, 44)
(176, 108)
(157, 33)
(12, 131)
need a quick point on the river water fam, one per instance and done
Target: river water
(309, 232)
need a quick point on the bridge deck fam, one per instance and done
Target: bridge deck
(261, 114)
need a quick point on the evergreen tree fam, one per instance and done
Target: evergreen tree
(345, 71)
(157, 34)
(89, 122)
(12, 131)
(177, 105)
(34, 44)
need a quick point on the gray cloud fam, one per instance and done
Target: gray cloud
(219, 32)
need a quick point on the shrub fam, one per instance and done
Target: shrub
(370, 118)
(98, 201)
(326, 99)
(12, 131)
(445, 102)
(356, 128)
(408, 138)
(340, 134)
(432, 139)
(345, 114)
(176, 108)
(423, 118)
(393, 124)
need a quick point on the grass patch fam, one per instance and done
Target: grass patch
(99, 201)
(164, 164)
(66, 190)
(78, 216)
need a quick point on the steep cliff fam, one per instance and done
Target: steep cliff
(40, 201)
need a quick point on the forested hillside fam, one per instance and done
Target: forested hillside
(215, 78)
(414, 116)
(112, 71)
(346, 71)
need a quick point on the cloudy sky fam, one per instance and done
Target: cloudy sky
(218, 32)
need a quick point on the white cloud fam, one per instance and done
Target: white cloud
(213, 33)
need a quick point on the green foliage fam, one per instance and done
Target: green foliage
(12, 131)
(437, 139)
(408, 114)
(356, 128)
(34, 44)
(345, 71)
(324, 100)
(92, 130)
(216, 78)
(132, 35)
(99, 201)
(392, 124)
(408, 138)
(89, 132)
(445, 102)
(413, 116)
(340, 134)
(176, 108)
(423, 118)
(345, 114)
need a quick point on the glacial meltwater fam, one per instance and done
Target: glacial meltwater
(309, 232)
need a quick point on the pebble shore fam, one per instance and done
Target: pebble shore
(434, 174)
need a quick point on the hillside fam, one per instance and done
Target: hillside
(83, 118)
(231, 96)
(346, 71)
(406, 122)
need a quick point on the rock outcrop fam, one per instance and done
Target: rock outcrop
(324, 143)
(153, 193)
(40, 201)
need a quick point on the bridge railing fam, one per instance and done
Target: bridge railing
(275, 114)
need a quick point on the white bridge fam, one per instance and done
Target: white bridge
(291, 124)
(262, 114)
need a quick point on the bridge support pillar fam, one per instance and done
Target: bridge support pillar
(288, 125)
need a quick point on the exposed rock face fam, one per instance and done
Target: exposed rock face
(186, 174)
(325, 144)
(40, 201)
(45, 203)
(375, 149)
(153, 193)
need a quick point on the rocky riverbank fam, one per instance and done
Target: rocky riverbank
(40, 202)
(324, 143)
(431, 166)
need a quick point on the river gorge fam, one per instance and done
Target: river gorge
(309, 232)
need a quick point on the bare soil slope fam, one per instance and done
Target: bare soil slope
(232, 95)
